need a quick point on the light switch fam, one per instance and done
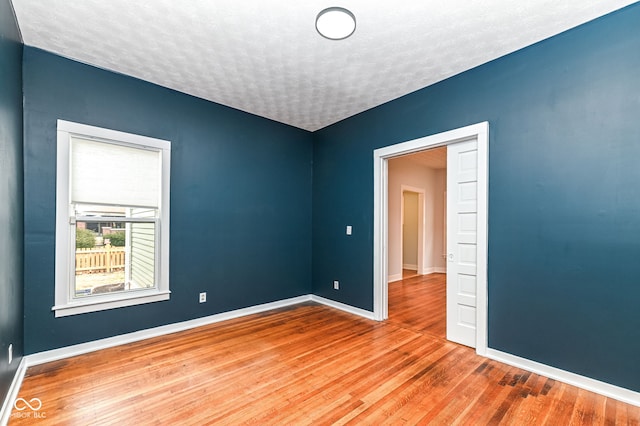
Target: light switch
(349, 229)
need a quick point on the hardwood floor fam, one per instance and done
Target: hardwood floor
(409, 273)
(309, 364)
(418, 302)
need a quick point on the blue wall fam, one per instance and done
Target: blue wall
(11, 210)
(564, 194)
(564, 199)
(240, 199)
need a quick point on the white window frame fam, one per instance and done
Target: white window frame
(65, 304)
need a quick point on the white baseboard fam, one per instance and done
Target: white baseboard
(602, 388)
(10, 399)
(394, 278)
(343, 307)
(109, 342)
(433, 270)
(410, 267)
(606, 389)
(425, 271)
(83, 348)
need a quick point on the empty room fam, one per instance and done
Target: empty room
(219, 212)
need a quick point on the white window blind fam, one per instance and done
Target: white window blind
(107, 173)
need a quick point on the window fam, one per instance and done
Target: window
(112, 219)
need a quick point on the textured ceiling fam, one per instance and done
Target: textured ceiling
(434, 158)
(265, 56)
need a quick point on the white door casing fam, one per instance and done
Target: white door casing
(462, 166)
(480, 134)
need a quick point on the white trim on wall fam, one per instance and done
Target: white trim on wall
(395, 277)
(434, 270)
(109, 342)
(10, 399)
(618, 393)
(66, 302)
(343, 307)
(479, 132)
(583, 382)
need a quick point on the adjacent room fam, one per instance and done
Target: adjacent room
(219, 212)
(417, 267)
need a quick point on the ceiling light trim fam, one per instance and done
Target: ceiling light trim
(335, 23)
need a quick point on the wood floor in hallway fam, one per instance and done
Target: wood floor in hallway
(418, 302)
(309, 365)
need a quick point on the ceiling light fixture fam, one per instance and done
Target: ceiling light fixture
(335, 23)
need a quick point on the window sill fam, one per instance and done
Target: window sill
(102, 303)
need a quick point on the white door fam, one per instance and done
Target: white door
(462, 209)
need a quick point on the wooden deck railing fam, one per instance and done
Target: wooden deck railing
(105, 259)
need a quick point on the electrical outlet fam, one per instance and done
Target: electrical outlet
(349, 229)
(203, 297)
(10, 353)
(336, 285)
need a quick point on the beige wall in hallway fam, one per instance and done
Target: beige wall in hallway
(405, 171)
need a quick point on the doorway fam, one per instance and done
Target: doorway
(418, 177)
(478, 135)
(416, 281)
(410, 231)
(407, 218)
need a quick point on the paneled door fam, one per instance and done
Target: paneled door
(462, 212)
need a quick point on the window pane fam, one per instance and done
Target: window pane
(114, 257)
(143, 247)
